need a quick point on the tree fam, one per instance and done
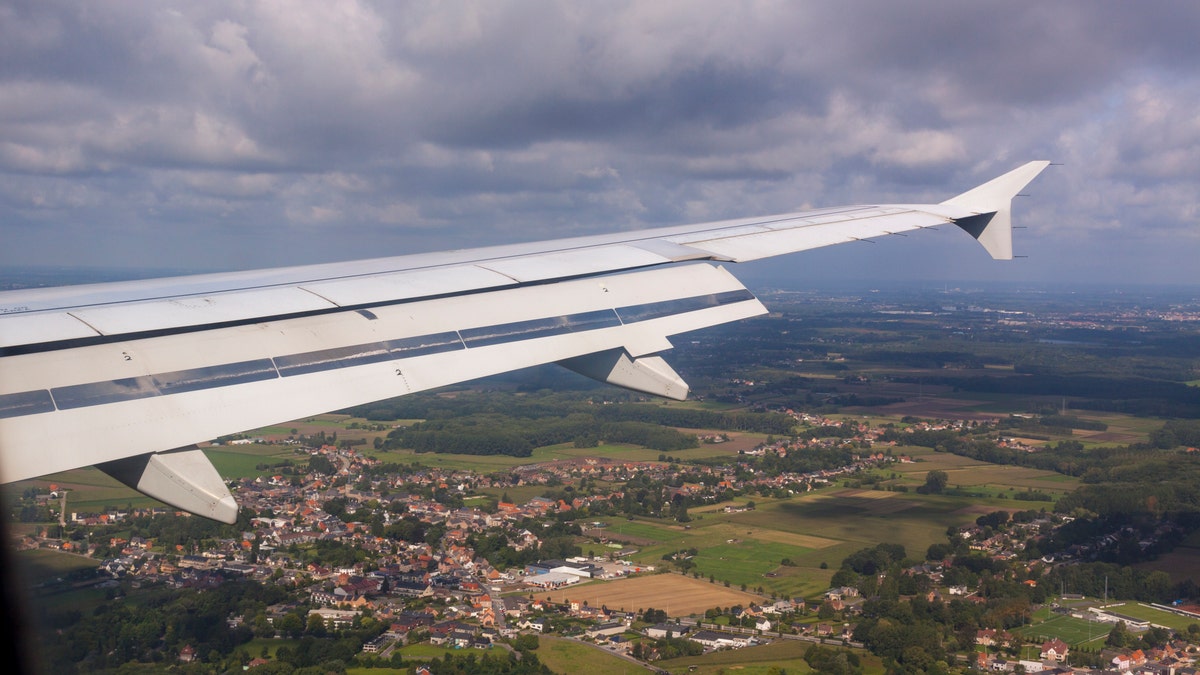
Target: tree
(316, 625)
(525, 642)
(652, 615)
(935, 483)
(1119, 635)
(291, 625)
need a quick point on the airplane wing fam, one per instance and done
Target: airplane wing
(130, 376)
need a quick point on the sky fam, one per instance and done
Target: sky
(233, 135)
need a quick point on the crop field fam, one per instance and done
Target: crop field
(820, 527)
(679, 595)
(970, 473)
(89, 489)
(1181, 564)
(244, 463)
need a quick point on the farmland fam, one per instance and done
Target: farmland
(815, 531)
(679, 595)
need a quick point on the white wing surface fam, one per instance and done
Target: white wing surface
(130, 375)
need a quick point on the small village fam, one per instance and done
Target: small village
(401, 554)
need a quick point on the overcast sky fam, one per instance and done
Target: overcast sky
(229, 135)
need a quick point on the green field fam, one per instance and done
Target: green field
(748, 563)
(1156, 616)
(568, 656)
(824, 526)
(979, 476)
(243, 461)
(784, 655)
(1074, 632)
(551, 453)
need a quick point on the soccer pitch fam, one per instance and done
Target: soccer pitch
(1074, 632)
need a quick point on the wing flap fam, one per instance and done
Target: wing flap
(139, 396)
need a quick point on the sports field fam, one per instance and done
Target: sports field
(1156, 616)
(1074, 632)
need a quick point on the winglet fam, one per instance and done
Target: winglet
(991, 204)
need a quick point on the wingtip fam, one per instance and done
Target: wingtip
(990, 206)
(997, 194)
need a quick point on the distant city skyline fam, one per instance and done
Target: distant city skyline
(231, 136)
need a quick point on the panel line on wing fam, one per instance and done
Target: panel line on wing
(536, 328)
(290, 365)
(654, 310)
(162, 384)
(372, 352)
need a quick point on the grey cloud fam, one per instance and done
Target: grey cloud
(277, 133)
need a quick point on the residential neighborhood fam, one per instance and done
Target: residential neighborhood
(360, 544)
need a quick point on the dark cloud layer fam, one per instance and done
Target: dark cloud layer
(227, 134)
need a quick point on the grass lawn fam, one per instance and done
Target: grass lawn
(569, 656)
(1074, 632)
(425, 651)
(42, 565)
(746, 562)
(1158, 616)
(770, 658)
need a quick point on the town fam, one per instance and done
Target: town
(828, 503)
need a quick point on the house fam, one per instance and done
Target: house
(536, 625)
(515, 606)
(376, 645)
(1054, 650)
(187, 654)
(715, 640)
(665, 630)
(607, 629)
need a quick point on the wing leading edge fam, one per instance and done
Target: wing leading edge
(117, 374)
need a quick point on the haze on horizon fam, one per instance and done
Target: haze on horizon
(228, 135)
